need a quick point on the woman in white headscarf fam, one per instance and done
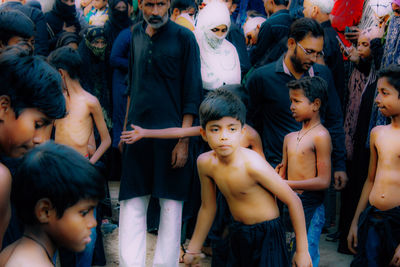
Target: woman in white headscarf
(219, 59)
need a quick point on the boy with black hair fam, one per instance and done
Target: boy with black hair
(55, 192)
(306, 157)
(179, 7)
(249, 185)
(16, 29)
(374, 234)
(76, 129)
(30, 99)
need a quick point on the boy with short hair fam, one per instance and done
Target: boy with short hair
(306, 157)
(76, 129)
(375, 230)
(55, 191)
(249, 185)
(30, 99)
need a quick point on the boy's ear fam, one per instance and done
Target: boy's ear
(317, 104)
(44, 210)
(203, 134)
(5, 105)
(175, 13)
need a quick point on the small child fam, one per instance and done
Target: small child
(76, 129)
(30, 99)
(249, 185)
(55, 191)
(96, 13)
(306, 157)
(375, 230)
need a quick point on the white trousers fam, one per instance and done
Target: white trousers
(132, 232)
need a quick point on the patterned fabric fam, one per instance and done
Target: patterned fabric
(357, 84)
(391, 54)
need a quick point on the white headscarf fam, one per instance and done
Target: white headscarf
(219, 59)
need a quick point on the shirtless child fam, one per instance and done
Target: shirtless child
(375, 230)
(76, 129)
(249, 185)
(54, 191)
(306, 157)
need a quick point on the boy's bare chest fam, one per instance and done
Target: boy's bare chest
(388, 148)
(233, 181)
(300, 148)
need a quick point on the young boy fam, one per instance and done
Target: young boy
(55, 191)
(30, 99)
(249, 185)
(306, 158)
(375, 230)
(97, 13)
(75, 130)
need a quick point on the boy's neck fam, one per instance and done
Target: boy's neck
(73, 86)
(41, 238)
(227, 160)
(395, 121)
(307, 124)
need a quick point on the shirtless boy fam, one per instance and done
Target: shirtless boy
(375, 230)
(306, 162)
(30, 99)
(76, 129)
(249, 185)
(55, 191)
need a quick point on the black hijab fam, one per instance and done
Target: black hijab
(117, 21)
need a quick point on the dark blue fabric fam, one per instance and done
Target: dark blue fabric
(269, 111)
(296, 9)
(236, 37)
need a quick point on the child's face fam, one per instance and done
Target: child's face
(224, 135)
(19, 135)
(363, 47)
(388, 98)
(302, 108)
(99, 4)
(73, 229)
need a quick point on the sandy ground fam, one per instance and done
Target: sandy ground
(329, 256)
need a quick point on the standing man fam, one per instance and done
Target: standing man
(164, 90)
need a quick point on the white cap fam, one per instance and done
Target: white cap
(326, 6)
(252, 23)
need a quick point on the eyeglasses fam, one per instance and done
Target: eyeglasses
(310, 52)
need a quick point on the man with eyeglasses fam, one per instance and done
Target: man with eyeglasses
(269, 107)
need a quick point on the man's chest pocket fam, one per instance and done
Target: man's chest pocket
(168, 66)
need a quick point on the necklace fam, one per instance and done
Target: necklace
(40, 244)
(301, 137)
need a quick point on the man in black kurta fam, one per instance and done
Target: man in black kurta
(164, 90)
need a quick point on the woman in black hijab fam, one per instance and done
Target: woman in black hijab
(118, 20)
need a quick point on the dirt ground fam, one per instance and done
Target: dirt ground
(329, 256)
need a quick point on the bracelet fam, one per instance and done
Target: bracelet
(192, 253)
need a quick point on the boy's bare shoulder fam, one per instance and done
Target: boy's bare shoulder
(5, 177)
(252, 160)
(291, 135)
(19, 255)
(322, 134)
(206, 159)
(91, 100)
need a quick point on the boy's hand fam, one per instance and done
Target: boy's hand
(71, 28)
(130, 137)
(193, 260)
(280, 170)
(180, 153)
(396, 257)
(352, 239)
(302, 259)
(340, 179)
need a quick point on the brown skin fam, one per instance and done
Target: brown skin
(153, 8)
(382, 184)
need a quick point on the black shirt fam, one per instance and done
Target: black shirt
(236, 37)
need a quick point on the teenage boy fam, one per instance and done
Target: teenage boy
(375, 230)
(30, 99)
(55, 192)
(84, 109)
(306, 160)
(249, 185)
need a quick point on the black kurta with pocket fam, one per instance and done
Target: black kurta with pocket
(164, 84)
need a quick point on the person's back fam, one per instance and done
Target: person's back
(76, 128)
(374, 234)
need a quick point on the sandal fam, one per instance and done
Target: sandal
(182, 254)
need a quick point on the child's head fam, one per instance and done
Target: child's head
(16, 29)
(388, 98)
(99, 4)
(66, 59)
(57, 189)
(179, 7)
(70, 39)
(238, 90)
(30, 99)
(308, 95)
(221, 103)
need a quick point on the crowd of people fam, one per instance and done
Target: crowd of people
(231, 123)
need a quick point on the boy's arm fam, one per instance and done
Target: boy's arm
(207, 210)
(5, 208)
(323, 149)
(130, 137)
(253, 140)
(281, 168)
(97, 114)
(352, 239)
(266, 176)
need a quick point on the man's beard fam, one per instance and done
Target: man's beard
(156, 22)
(299, 66)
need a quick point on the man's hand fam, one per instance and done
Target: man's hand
(130, 137)
(352, 239)
(193, 260)
(340, 179)
(180, 153)
(280, 170)
(69, 28)
(302, 259)
(396, 257)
